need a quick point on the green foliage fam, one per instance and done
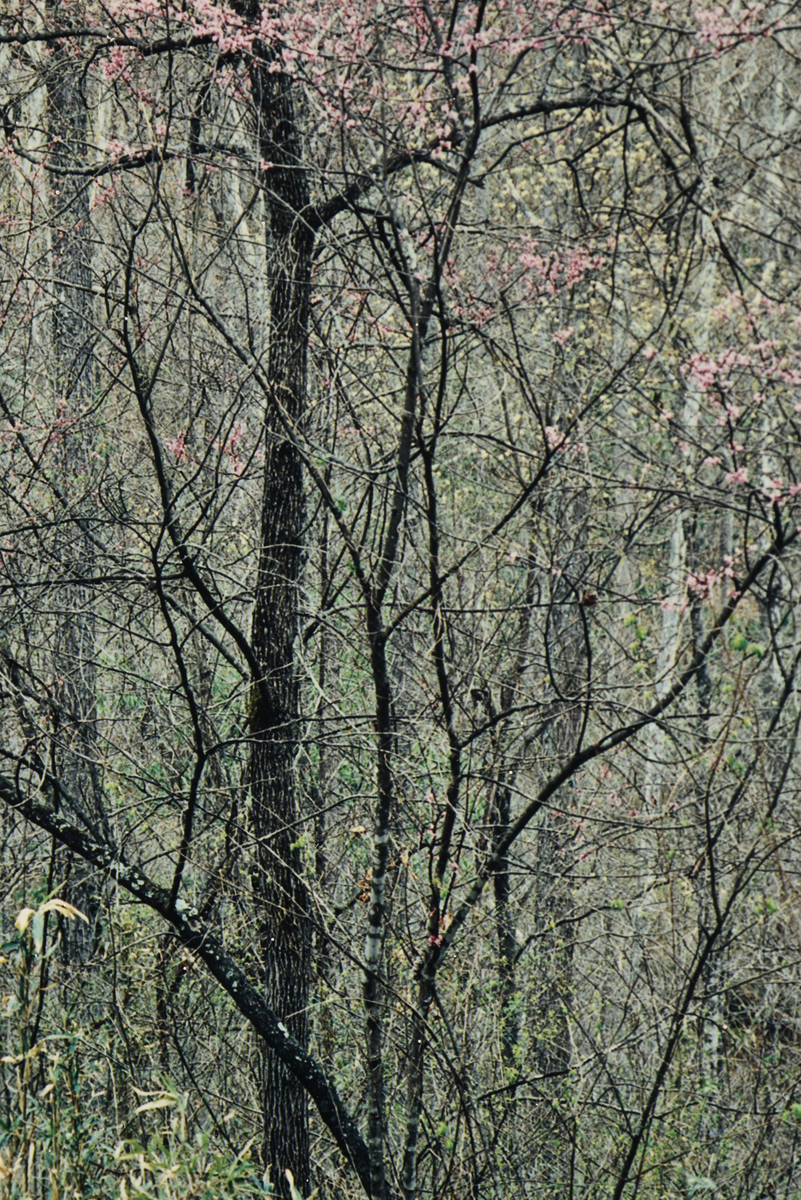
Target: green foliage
(55, 1139)
(699, 1185)
(173, 1166)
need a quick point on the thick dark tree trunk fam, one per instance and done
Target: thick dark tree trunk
(279, 887)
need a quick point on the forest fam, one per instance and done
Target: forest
(400, 562)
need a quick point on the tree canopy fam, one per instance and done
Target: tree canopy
(399, 568)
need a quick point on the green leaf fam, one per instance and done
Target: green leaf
(37, 929)
(698, 1184)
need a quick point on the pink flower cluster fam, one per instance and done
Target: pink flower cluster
(720, 27)
(557, 271)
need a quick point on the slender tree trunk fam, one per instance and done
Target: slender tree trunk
(566, 648)
(73, 346)
(507, 773)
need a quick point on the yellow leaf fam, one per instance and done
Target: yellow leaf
(23, 919)
(62, 907)
(165, 1102)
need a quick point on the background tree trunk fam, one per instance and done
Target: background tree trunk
(73, 339)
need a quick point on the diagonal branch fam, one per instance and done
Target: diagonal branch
(782, 540)
(193, 933)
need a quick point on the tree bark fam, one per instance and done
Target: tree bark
(284, 928)
(72, 374)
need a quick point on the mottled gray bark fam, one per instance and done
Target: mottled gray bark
(72, 376)
(566, 653)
